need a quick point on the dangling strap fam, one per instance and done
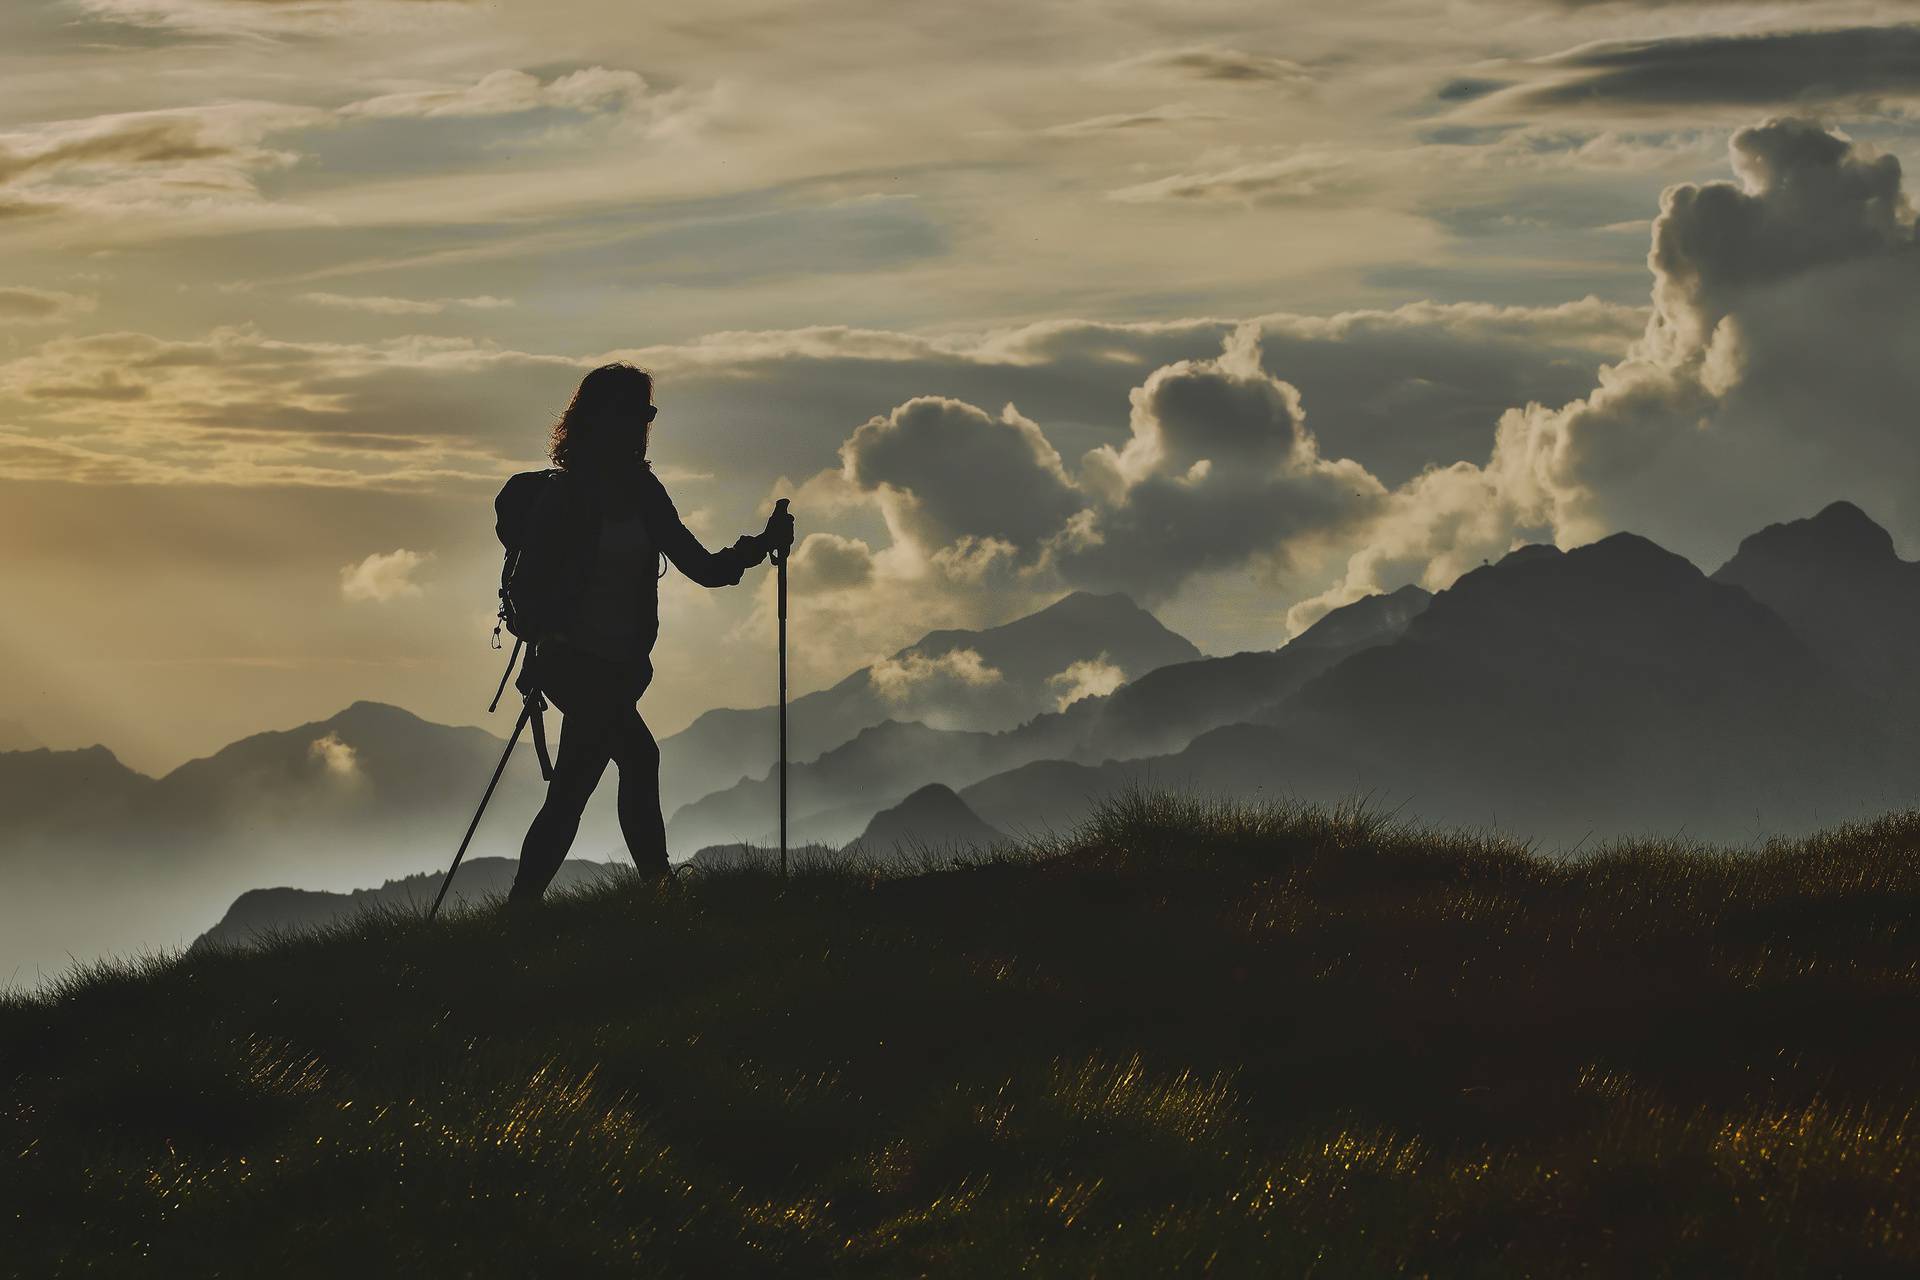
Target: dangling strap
(511, 659)
(529, 686)
(537, 708)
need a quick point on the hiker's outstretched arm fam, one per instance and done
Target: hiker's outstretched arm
(722, 568)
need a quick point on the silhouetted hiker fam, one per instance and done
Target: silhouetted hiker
(587, 577)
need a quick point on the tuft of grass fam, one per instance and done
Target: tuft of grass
(1191, 1037)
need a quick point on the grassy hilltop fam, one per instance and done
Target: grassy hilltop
(1184, 1040)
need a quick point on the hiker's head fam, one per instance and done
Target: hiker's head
(610, 418)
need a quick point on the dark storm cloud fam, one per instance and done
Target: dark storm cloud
(1775, 68)
(1810, 199)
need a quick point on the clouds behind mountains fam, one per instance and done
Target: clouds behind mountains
(1681, 439)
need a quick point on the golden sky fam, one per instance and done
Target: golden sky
(1244, 309)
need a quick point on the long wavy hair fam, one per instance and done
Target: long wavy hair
(612, 402)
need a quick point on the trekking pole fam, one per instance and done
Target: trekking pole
(780, 566)
(526, 711)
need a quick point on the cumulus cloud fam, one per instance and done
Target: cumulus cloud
(916, 676)
(948, 473)
(1089, 678)
(336, 756)
(384, 576)
(1219, 469)
(22, 305)
(830, 562)
(386, 306)
(509, 92)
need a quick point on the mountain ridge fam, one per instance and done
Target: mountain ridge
(729, 744)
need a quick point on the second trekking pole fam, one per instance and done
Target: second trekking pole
(526, 713)
(780, 567)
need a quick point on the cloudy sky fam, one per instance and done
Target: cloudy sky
(1244, 309)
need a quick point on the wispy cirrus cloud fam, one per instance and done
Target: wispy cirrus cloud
(267, 18)
(1817, 68)
(1152, 118)
(1219, 65)
(1303, 176)
(1325, 174)
(23, 305)
(379, 305)
(239, 407)
(197, 166)
(508, 92)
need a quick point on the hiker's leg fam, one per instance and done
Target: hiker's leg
(638, 757)
(581, 760)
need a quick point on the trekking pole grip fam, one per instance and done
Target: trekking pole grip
(779, 554)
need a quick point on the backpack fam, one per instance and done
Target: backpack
(513, 516)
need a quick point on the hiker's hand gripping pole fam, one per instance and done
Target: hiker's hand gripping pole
(779, 557)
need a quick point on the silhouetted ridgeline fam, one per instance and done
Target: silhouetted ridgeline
(837, 794)
(984, 681)
(1613, 689)
(1187, 1039)
(259, 914)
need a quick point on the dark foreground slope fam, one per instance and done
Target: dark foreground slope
(1250, 1042)
(261, 915)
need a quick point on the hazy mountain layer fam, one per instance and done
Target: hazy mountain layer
(1608, 690)
(981, 681)
(832, 798)
(94, 856)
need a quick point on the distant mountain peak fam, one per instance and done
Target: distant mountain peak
(1117, 601)
(1371, 618)
(1625, 546)
(933, 817)
(1078, 607)
(96, 755)
(366, 712)
(1841, 534)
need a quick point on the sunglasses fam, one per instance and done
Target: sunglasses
(651, 412)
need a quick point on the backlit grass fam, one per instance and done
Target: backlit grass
(1188, 1038)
